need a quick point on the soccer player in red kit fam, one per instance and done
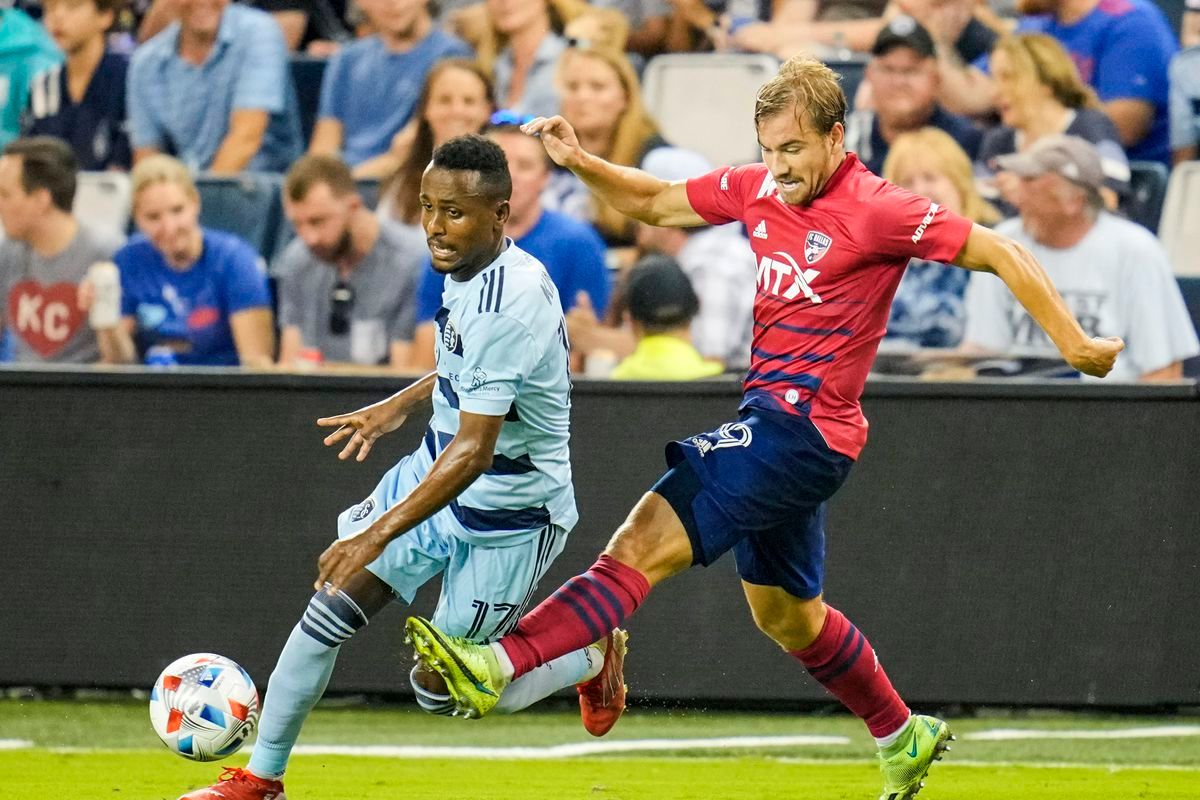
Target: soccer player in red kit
(832, 241)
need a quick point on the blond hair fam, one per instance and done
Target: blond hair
(949, 159)
(491, 41)
(807, 86)
(1041, 58)
(160, 168)
(635, 127)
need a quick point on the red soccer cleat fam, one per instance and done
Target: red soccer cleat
(602, 699)
(239, 784)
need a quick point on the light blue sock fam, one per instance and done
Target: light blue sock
(300, 677)
(564, 671)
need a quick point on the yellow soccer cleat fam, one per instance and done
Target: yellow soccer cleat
(906, 762)
(470, 670)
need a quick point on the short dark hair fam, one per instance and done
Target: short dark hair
(473, 153)
(47, 163)
(312, 170)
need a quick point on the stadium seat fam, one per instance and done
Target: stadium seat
(1189, 287)
(1147, 189)
(247, 204)
(306, 74)
(705, 101)
(102, 201)
(1178, 230)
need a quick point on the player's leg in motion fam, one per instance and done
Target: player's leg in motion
(300, 677)
(649, 547)
(484, 590)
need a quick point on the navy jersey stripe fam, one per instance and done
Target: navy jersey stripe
(499, 287)
(801, 379)
(500, 519)
(810, 331)
(501, 464)
(448, 391)
(812, 358)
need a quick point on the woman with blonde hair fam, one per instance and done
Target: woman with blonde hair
(189, 295)
(602, 100)
(520, 43)
(928, 308)
(1039, 93)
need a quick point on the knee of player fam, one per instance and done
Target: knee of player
(652, 540)
(791, 629)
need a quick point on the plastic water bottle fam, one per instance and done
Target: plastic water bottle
(160, 355)
(105, 280)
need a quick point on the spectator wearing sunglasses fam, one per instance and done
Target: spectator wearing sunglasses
(347, 282)
(189, 295)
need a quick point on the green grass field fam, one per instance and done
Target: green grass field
(76, 750)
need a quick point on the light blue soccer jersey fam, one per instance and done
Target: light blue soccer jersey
(502, 351)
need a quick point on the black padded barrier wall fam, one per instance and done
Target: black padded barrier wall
(998, 542)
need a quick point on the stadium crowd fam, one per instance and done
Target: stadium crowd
(1054, 120)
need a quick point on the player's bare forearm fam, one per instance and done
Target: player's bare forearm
(988, 251)
(638, 194)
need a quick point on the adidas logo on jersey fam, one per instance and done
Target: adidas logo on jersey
(760, 230)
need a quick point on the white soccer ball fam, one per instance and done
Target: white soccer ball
(204, 707)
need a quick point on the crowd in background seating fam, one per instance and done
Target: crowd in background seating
(184, 92)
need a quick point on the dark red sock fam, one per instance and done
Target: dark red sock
(583, 611)
(844, 662)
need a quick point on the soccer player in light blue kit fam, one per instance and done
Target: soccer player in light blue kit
(487, 497)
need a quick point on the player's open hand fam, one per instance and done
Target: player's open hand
(1097, 356)
(558, 137)
(362, 428)
(345, 558)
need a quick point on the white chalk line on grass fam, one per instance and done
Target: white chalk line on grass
(976, 764)
(15, 744)
(570, 750)
(1017, 734)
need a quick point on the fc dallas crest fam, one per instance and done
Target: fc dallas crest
(816, 245)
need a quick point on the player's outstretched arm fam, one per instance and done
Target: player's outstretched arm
(631, 191)
(988, 251)
(367, 424)
(469, 455)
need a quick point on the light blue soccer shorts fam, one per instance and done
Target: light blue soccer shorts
(485, 590)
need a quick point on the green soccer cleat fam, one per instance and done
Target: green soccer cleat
(470, 670)
(906, 762)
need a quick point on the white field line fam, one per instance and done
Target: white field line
(569, 750)
(15, 744)
(974, 764)
(1015, 734)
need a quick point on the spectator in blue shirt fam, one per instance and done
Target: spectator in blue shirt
(82, 101)
(192, 296)
(25, 50)
(371, 86)
(1185, 88)
(214, 89)
(571, 251)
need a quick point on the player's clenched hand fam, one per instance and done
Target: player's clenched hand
(343, 559)
(558, 137)
(1097, 356)
(362, 427)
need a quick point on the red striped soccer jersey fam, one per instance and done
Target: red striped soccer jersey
(826, 276)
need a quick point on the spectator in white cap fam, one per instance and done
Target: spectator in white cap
(1185, 88)
(1112, 273)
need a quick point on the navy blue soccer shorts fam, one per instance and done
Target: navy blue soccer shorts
(757, 486)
